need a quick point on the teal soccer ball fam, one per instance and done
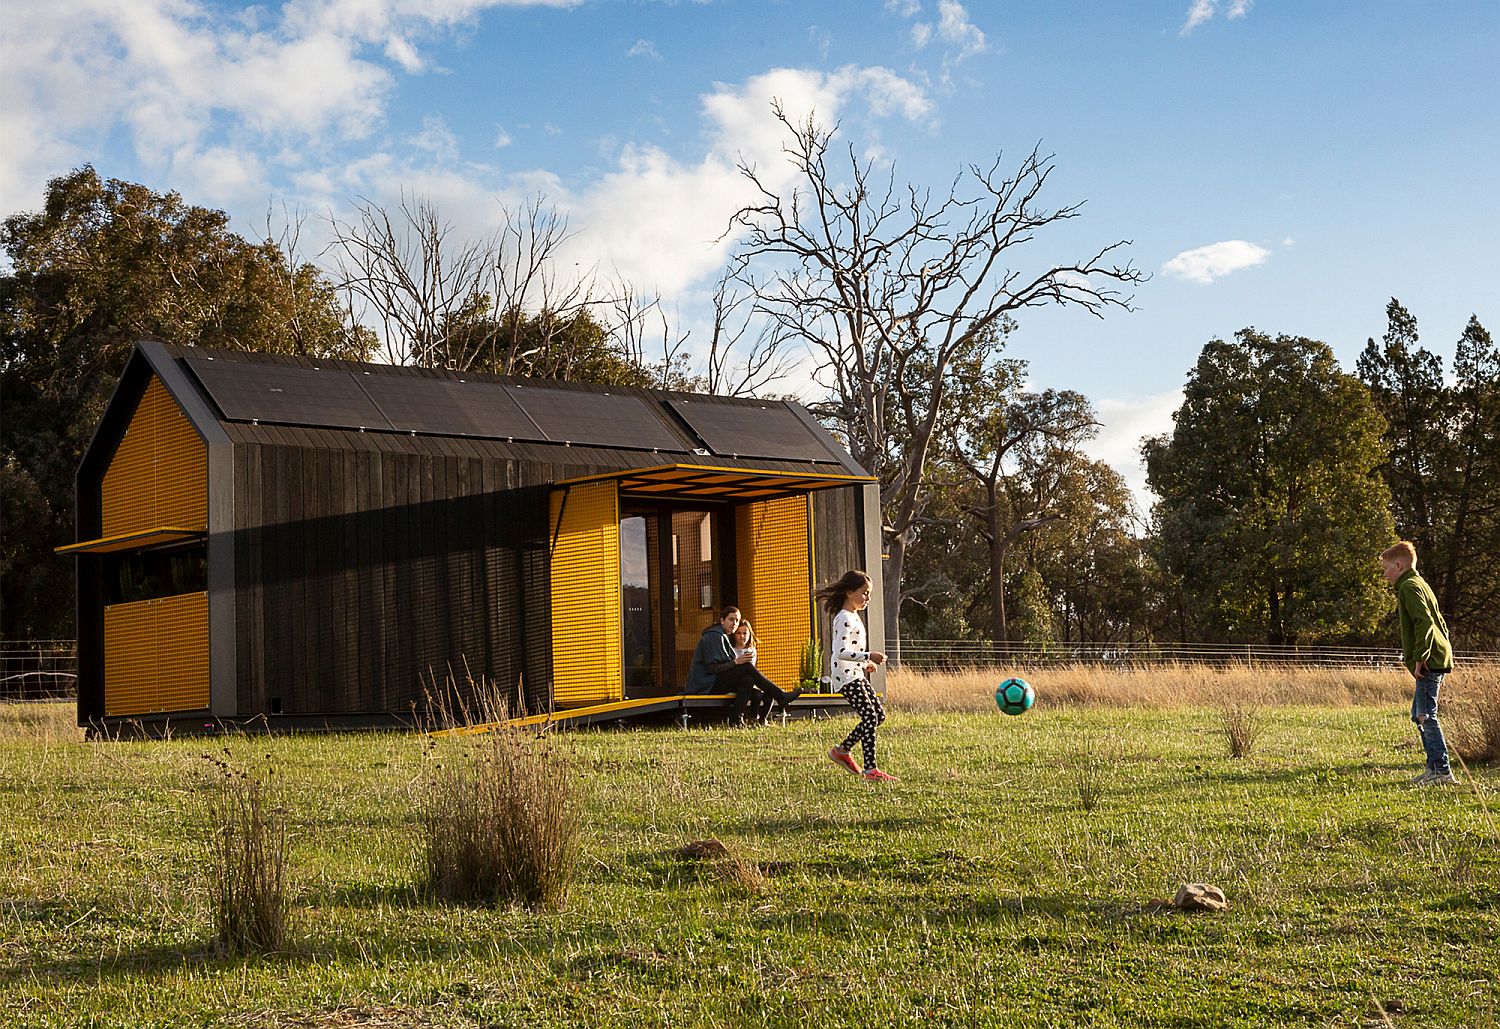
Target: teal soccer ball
(1015, 696)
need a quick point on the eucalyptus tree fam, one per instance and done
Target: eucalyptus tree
(102, 264)
(888, 285)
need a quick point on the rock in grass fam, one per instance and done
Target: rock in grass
(703, 850)
(1199, 897)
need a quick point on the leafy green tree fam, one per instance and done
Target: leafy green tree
(103, 264)
(1272, 507)
(1469, 566)
(574, 346)
(1407, 384)
(1092, 557)
(1442, 445)
(1033, 622)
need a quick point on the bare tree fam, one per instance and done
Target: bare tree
(414, 275)
(745, 353)
(445, 300)
(889, 286)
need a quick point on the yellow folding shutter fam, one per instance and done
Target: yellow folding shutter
(587, 663)
(159, 473)
(775, 581)
(156, 655)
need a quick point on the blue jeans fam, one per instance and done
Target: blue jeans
(1424, 712)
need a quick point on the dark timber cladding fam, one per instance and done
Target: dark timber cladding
(374, 531)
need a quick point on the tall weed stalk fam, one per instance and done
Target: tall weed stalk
(1241, 726)
(247, 862)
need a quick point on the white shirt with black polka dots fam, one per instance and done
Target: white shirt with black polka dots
(848, 652)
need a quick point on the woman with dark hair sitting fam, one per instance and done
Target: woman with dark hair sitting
(717, 669)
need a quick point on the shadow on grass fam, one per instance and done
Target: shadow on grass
(367, 895)
(146, 962)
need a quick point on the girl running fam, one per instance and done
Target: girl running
(852, 666)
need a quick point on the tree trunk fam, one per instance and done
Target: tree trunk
(999, 629)
(895, 558)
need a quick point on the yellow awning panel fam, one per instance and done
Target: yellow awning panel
(706, 482)
(774, 565)
(587, 659)
(156, 655)
(159, 473)
(131, 541)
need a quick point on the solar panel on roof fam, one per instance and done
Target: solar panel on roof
(246, 391)
(447, 407)
(598, 419)
(762, 430)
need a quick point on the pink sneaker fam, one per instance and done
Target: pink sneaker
(841, 757)
(876, 775)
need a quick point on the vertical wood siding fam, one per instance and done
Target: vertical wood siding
(369, 574)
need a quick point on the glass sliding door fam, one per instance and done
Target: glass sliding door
(671, 586)
(640, 574)
(695, 577)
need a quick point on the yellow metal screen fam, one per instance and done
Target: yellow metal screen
(587, 664)
(156, 655)
(775, 581)
(159, 473)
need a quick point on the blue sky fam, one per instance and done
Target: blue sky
(1285, 165)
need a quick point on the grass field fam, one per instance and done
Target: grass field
(978, 891)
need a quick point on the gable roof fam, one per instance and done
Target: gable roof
(254, 398)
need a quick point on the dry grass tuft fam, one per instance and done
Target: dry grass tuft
(1166, 685)
(1241, 725)
(1092, 765)
(44, 722)
(247, 862)
(738, 876)
(499, 812)
(1472, 696)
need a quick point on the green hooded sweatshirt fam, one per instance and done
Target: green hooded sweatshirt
(1424, 634)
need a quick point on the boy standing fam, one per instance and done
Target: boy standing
(1425, 651)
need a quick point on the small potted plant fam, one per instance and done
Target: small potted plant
(810, 671)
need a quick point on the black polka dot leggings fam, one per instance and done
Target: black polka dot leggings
(866, 703)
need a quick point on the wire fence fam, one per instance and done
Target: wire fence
(48, 669)
(946, 654)
(38, 670)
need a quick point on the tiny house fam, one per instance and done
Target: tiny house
(310, 543)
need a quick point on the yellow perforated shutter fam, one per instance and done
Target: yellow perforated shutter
(587, 665)
(156, 655)
(158, 475)
(775, 582)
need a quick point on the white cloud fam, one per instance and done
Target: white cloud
(644, 48)
(955, 29)
(921, 34)
(1214, 261)
(1123, 424)
(436, 138)
(185, 81)
(659, 219)
(404, 54)
(502, 138)
(905, 8)
(1288, 242)
(1204, 10)
(1200, 12)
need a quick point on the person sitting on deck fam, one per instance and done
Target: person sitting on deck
(743, 642)
(717, 669)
